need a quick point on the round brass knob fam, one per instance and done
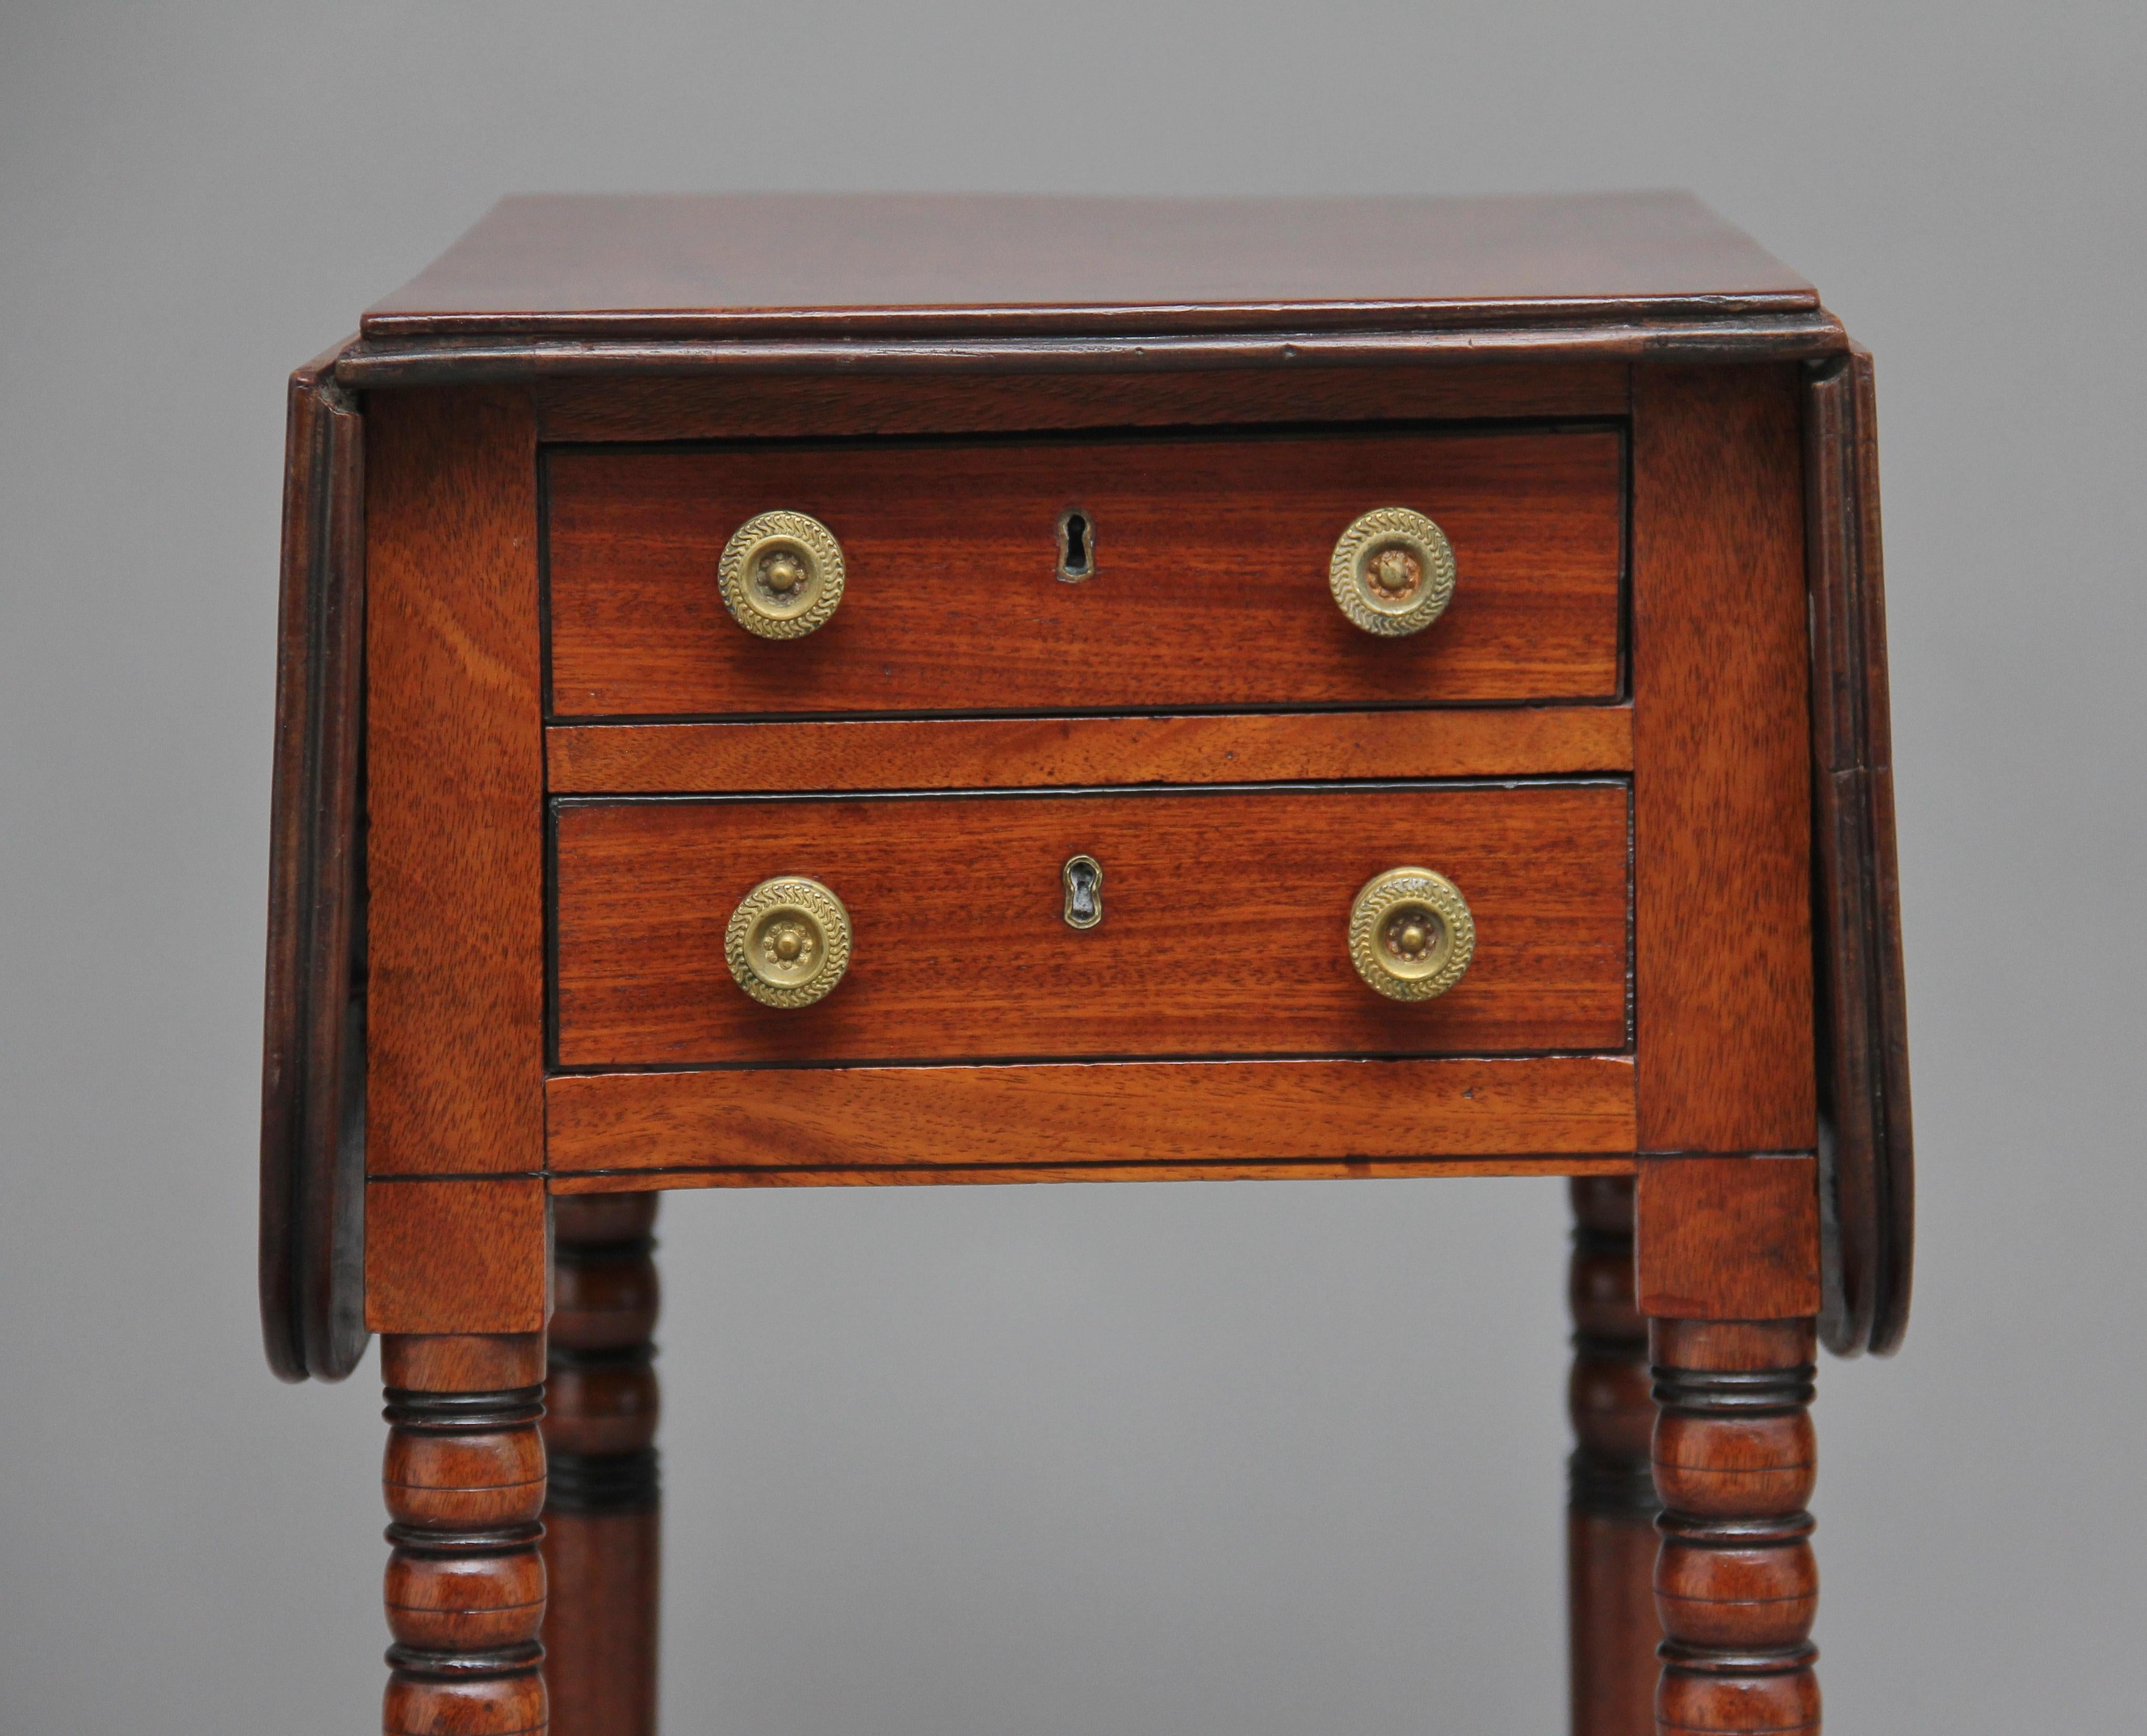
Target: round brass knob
(781, 574)
(789, 942)
(1392, 572)
(1411, 936)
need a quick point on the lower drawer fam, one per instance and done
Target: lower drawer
(1224, 931)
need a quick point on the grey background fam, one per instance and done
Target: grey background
(973, 1462)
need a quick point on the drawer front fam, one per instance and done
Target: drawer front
(1225, 924)
(1209, 584)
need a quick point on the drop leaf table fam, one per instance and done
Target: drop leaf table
(807, 692)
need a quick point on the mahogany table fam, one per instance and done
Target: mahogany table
(782, 691)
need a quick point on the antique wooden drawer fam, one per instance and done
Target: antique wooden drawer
(1215, 922)
(1087, 573)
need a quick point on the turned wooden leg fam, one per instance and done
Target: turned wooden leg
(602, 1526)
(464, 1482)
(1610, 1512)
(1736, 1583)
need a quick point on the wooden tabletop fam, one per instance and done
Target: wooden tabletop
(790, 265)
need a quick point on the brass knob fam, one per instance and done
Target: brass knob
(1392, 572)
(1411, 936)
(781, 574)
(789, 942)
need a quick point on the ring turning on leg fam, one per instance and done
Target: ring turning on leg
(1736, 1583)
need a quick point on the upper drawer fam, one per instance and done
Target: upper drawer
(1209, 586)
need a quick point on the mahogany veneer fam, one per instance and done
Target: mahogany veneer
(527, 762)
(1222, 912)
(1054, 753)
(1197, 599)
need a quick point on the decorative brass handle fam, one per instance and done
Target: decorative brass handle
(1411, 936)
(781, 574)
(789, 942)
(1392, 572)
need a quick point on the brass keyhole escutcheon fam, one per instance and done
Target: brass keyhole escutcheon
(1077, 546)
(1393, 572)
(1082, 880)
(788, 942)
(1411, 936)
(781, 574)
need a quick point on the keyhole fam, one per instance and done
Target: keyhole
(1077, 554)
(1082, 878)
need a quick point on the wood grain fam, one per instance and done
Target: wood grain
(1210, 588)
(1224, 929)
(602, 1401)
(456, 1256)
(1735, 1460)
(601, 1626)
(1610, 1509)
(1722, 770)
(1864, 1038)
(1729, 1239)
(1185, 1116)
(455, 769)
(406, 363)
(603, 1532)
(463, 1479)
(569, 1187)
(1612, 1628)
(1041, 753)
(736, 406)
(848, 265)
(312, 1229)
(461, 1362)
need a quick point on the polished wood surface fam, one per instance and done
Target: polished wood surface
(455, 773)
(1047, 753)
(1736, 1587)
(603, 1528)
(1177, 1119)
(462, 1362)
(1734, 1239)
(456, 1254)
(1656, 713)
(571, 1185)
(656, 266)
(1210, 586)
(312, 1056)
(1721, 778)
(1863, 1034)
(600, 1631)
(1225, 918)
(733, 405)
(400, 364)
(464, 1482)
(1612, 1627)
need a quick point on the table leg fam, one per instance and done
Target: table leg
(1736, 1583)
(602, 1522)
(1610, 1512)
(464, 1484)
